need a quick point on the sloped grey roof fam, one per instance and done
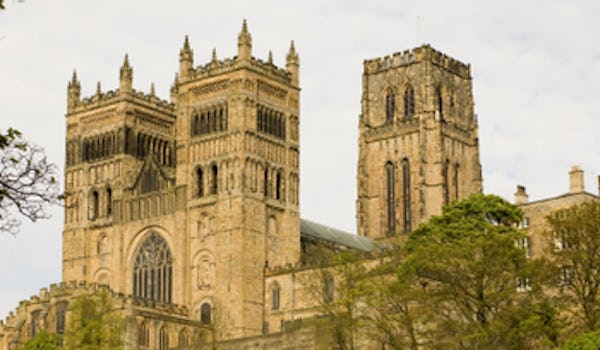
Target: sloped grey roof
(326, 233)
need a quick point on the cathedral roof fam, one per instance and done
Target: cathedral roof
(338, 237)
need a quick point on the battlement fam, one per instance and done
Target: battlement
(418, 54)
(216, 67)
(111, 96)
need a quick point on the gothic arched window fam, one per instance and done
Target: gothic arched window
(390, 106)
(406, 195)
(439, 102)
(409, 102)
(184, 339)
(153, 270)
(456, 168)
(390, 198)
(446, 182)
(163, 339)
(328, 289)
(61, 312)
(278, 185)
(95, 205)
(108, 201)
(205, 313)
(275, 294)
(200, 182)
(214, 179)
(266, 182)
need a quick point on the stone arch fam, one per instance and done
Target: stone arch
(102, 276)
(204, 270)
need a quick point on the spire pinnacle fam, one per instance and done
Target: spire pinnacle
(126, 61)
(152, 90)
(74, 81)
(214, 55)
(244, 43)
(292, 54)
(126, 76)
(270, 59)
(292, 63)
(98, 88)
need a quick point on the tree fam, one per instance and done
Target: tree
(1, 4)
(574, 243)
(27, 181)
(585, 341)
(43, 341)
(466, 265)
(94, 324)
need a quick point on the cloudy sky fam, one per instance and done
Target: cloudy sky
(535, 66)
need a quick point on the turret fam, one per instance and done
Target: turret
(214, 61)
(186, 59)
(126, 77)
(292, 63)
(244, 43)
(73, 92)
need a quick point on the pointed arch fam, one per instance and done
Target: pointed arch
(144, 334)
(163, 338)
(409, 102)
(206, 313)
(153, 270)
(214, 179)
(199, 182)
(390, 106)
(390, 197)
(184, 338)
(407, 212)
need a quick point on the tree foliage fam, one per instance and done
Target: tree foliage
(94, 324)
(585, 341)
(27, 181)
(43, 341)
(574, 238)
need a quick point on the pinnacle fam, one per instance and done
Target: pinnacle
(186, 43)
(99, 88)
(152, 90)
(270, 57)
(245, 37)
(244, 27)
(214, 55)
(126, 61)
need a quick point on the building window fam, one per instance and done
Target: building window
(266, 182)
(391, 205)
(275, 293)
(271, 122)
(409, 102)
(446, 182)
(566, 276)
(524, 244)
(278, 185)
(205, 313)
(406, 195)
(163, 339)
(61, 312)
(210, 121)
(35, 320)
(523, 284)
(456, 168)
(144, 335)
(214, 180)
(328, 289)
(390, 106)
(153, 270)
(95, 205)
(184, 339)
(199, 182)
(108, 201)
(439, 102)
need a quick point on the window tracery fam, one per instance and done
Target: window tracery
(153, 270)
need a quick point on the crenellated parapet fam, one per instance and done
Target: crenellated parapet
(419, 54)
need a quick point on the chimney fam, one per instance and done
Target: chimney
(576, 183)
(521, 196)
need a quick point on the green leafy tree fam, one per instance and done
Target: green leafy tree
(585, 341)
(574, 243)
(27, 181)
(94, 324)
(466, 266)
(43, 341)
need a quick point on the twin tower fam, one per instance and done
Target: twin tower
(191, 201)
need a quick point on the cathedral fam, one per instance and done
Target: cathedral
(187, 211)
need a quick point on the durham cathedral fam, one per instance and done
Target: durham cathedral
(186, 212)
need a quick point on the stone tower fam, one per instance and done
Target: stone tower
(187, 202)
(418, 140)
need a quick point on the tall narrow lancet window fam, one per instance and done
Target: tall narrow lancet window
(108, 201)
(205, 313)
(456, 170)
(407, 214)
(61, 312)
(439, 100)
(163, 339)
(266, 183)
(153, 270)
(409, 102)
(278, 185)
(390, 197)
(199, 182)
(446, 182)
(390, 106)
(144, 334)
(214, 180)
(95, 205)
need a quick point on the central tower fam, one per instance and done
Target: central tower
(418, 142)
(238, 168)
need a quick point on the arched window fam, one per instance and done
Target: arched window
(390, 106)
(328, 289)
(102, 247)
(390, 197)
(184, 339)
(275, 293)
(61, 312)
(266, 182)
(409, 102)
(199, 182)
(153, 270)
(108, 201)
(214, 180)
(278, 185)
(35, 320)
(439, 102)
(406, 195)
(456, 168)
(95, 205)
(144, 335)
(163, 338)
(205, 313)
(446, 182)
